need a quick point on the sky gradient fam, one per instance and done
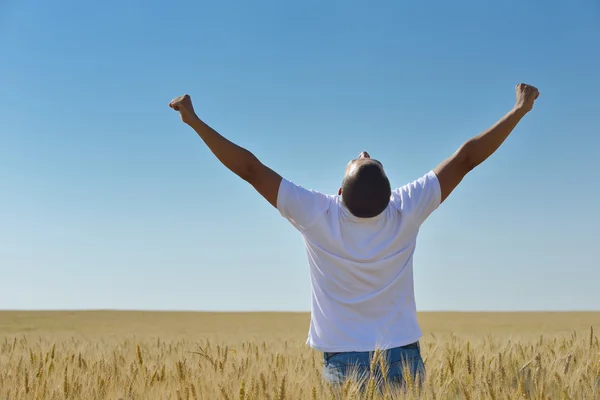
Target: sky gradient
(108, 201)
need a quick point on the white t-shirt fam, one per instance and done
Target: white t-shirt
(361, 268)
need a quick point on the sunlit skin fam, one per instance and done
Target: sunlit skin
(449, 172)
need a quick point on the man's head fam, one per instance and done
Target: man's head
(366, 189)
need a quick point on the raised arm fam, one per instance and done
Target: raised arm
(237, 159)
(477, 149)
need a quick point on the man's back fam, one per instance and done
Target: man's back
(361, 268)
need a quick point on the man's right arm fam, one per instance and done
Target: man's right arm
(477, 149)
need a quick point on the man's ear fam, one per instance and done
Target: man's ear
(340, 192)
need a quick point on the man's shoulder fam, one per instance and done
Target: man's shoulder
(418, 198)
(298, 193)
(413, 189)
(302, 206)
(288, 184)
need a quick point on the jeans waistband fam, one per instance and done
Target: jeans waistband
(416, 345)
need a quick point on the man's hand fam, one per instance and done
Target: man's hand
(184, 105)
(526, 96)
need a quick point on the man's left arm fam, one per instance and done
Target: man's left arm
(237, 159)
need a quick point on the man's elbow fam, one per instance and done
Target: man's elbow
(250, 169)
(467, 158)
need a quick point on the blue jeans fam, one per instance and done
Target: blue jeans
(337, 367)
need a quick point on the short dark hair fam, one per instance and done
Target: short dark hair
(366, 192)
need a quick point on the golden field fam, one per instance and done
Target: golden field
(172, 355)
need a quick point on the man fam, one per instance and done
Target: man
(360, 243)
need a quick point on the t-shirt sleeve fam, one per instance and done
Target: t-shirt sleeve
(302, 207)
(420, 198)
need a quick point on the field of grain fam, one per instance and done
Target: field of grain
(152, 355)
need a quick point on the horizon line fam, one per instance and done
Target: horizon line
(274, 311)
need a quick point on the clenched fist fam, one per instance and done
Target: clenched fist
(183, 104)
(526, 96)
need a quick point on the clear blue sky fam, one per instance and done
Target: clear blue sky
(108, 201)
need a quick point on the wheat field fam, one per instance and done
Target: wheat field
(154, 355)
